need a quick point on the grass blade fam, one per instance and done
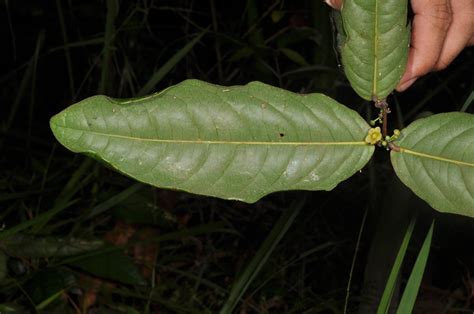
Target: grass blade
(67, 53)
(20, 94)
(169, 65)
(253, 268)
(349, 281)
(112, 12)
(392, 279)
(114, 200)
(49, 300)
(79, 178)
(39, 220)
(72, 185)
(468, 102)
(411, 290)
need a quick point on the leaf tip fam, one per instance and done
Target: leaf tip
(56, 123)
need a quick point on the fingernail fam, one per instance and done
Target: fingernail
(403, 86)
(332, 3)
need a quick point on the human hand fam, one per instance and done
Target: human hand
(441, 29)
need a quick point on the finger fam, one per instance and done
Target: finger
(336, 4)
(430, 25)
(460, 32)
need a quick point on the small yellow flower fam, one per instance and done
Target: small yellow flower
(374, 136)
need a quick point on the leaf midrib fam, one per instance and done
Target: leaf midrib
(434, 157)
(222, 142)
(376, 39)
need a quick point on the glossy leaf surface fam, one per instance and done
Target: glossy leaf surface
(375, 47)
(436, 161)
(239, 142)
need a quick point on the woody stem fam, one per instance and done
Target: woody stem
(383, 106)
(384, 122)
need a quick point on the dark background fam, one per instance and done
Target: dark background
(53, 55)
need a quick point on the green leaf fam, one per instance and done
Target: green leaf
(390, 286)
(375, 50)
(240, 142)
(407, 302)
(436, 161)
(111, 264)
(294, 56)
(338, 30)
(12, 308)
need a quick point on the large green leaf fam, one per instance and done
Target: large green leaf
(375, 48)
(436, 161)
(239, 142)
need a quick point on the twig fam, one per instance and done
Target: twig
(384, 111)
